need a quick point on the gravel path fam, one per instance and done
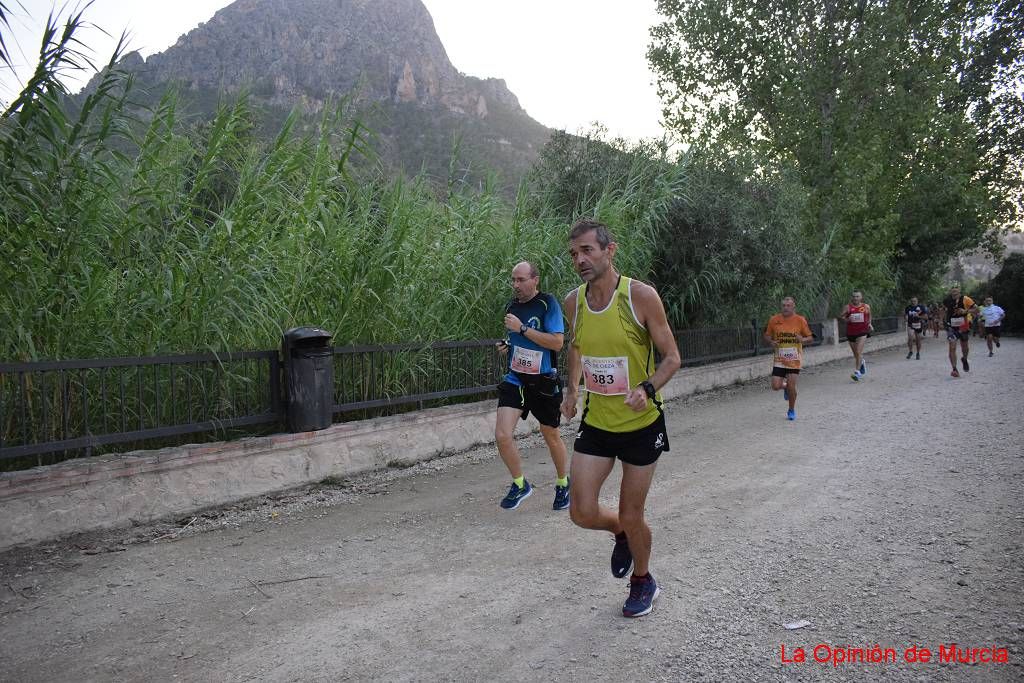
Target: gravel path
(889, 513)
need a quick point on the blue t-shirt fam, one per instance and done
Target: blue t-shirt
(915, 313)
(542, 313)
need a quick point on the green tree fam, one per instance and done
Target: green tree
(886, 113)
(1007, 289)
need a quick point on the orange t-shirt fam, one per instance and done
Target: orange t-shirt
(787, 332)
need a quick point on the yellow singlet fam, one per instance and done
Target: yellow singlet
(617, 355)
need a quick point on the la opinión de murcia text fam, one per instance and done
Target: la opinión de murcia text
(845, 655)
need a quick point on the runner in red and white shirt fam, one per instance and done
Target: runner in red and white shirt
(857, 315)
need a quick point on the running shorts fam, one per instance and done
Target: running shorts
(641, 447)
(994, 331)
(543, 401)
(953, 334)
(782, 372)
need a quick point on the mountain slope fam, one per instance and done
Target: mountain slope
(383, 53)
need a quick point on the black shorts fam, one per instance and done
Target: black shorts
(544, 401)
(640, 447)
(855, 337)
(953, 334)
(994, 331)
(782, 372)
(916, 332)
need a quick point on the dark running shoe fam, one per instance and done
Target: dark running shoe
(622, 559)
(516, 495)
(863, 368)
(909, 354)
(917, 357)
(990, 354)
(967, 366)
(561, 497)
(997, 343)
(642, 592)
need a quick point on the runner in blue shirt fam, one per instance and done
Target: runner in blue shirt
(916, 316)
(535, 333)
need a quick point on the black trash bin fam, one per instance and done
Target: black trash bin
(309, 378)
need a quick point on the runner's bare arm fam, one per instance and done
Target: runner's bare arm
(549, 340)
(807, 336)
(574, 364)
(651, 312)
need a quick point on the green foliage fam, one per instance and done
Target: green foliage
(900, 121)
(203, 237)
(1007, 290)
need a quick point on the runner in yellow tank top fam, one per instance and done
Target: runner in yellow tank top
(619, 356)
(616, 323)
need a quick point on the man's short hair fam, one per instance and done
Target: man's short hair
(788, 298)
(585, 225)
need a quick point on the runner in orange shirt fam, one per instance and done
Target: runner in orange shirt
(787, 332)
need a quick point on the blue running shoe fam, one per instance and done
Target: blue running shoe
(642, 592)
(622, 558)
(790, 414)
(516, 495)
(863, 367)
(855, 376)
(561, 497)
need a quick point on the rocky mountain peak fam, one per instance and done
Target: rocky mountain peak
(311, 50)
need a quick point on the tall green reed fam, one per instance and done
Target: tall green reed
(136, 231)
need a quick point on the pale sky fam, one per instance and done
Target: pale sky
(570, 62)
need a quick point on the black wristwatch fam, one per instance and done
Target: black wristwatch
(648, 389)
(523, 329)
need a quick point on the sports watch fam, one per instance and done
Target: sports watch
(523, 329)
(648, 389)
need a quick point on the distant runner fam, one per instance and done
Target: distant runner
(616, 324)
(917, 315)
(959, 308)
(937, 314)
(993, 316)
(787, 332)
(535, 328)
(858, 327)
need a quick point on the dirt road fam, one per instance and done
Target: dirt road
(889, 513)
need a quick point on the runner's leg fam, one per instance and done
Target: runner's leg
(587, 474)
(556, 447)
(504, 436)
(860, 351)
(636, 482)
(792, 383)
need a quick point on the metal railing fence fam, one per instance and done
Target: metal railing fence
(76, 408)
